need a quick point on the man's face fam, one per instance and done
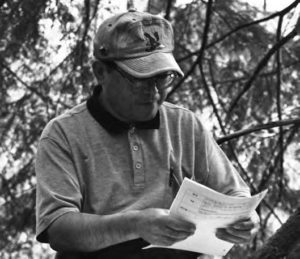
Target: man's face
(131, 99)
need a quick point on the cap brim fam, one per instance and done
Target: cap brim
(150, 65)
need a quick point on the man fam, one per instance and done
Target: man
(108, 169)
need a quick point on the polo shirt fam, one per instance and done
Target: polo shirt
(88, 161)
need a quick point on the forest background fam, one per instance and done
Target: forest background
(242, 75)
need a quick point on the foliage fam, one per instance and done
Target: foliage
(225, 52)
(240, 52)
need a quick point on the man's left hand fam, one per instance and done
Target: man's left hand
(241, 231)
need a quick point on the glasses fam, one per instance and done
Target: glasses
(162, 81)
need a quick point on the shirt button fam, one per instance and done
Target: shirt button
(135, 147)
(138, 165)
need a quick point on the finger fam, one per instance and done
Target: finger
(243, 225)
(178, 235)
(183, 226)
(242, 220)
(242, 234)
(172, 233)
(166, 240)
(223, 234)
(254, 218)
(161, 236)
(163, 241)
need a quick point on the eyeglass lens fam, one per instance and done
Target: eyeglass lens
(162, 81)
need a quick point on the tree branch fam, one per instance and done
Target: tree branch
(168, 9)
(243, 26)
(283, 241)
(203, 46)
(269, 125)
(243, 171)
(260, 66)
(278, 105)
(269, 169)
(30, 88)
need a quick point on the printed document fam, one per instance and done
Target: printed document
(209, 210)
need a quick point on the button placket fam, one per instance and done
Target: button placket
(137, 159)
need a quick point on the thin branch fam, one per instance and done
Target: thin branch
(30, 88)
(74, 49)
(243, 171)
(130, 4)
(57, 66)
(214, 85)
(254, 189)
(260, 66)
(243, 26)
(269, 125)
(86, 21)
(168, 9)
(206, 87)
(278, 105)
(265, 74)
(203, 46)
(8, 126)
(200, 63)
(266, 178)
(267, 173)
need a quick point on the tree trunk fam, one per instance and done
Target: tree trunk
(285, 242)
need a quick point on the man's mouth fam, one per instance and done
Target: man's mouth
(146, 103)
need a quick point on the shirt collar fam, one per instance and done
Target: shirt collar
(111, 123)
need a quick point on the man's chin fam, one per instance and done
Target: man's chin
(146, 116)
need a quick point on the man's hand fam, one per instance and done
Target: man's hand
(241, 231)
(157, 227)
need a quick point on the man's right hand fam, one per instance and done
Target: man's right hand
(157, 227)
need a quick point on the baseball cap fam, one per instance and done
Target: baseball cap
(138, 42)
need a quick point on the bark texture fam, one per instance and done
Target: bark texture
(285, 243)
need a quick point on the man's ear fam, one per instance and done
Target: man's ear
(99, 70)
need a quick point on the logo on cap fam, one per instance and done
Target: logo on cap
(153, 42)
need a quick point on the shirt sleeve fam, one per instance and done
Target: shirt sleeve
(216, 171)
(58, 189)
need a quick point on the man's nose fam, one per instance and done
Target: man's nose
(151, 86)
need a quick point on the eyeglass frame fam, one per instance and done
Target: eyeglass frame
(136, 81)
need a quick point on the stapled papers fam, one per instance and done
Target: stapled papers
(209, 210)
